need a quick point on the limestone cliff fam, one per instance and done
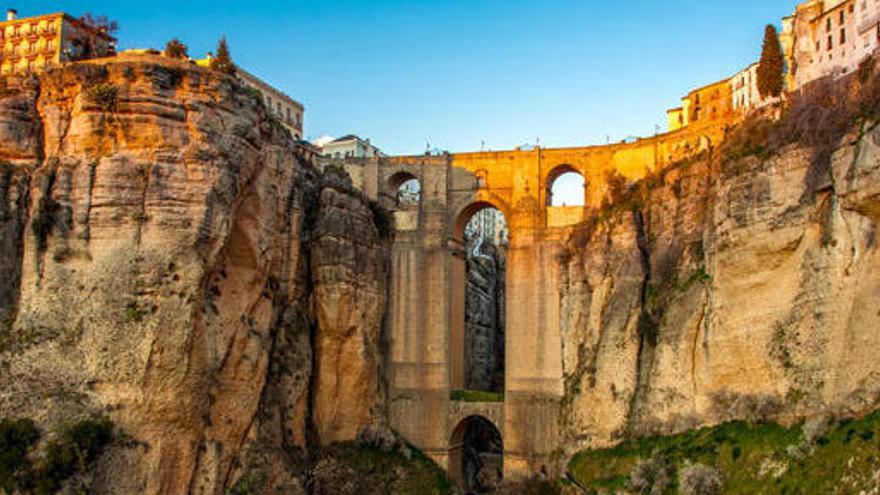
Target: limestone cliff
(168, 260)
(728, 292)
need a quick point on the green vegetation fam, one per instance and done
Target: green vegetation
(17, 438)
(751, 458)
(75, 449)
(771, 65)
(133, 314)
(222, 60)
(176, 49)
(103, 95)
(475, 396)
(349, 468)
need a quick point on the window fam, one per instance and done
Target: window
(842, 36)
(830, 43)
(842, 17)
(828, 24)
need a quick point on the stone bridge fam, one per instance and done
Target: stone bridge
(426, 316)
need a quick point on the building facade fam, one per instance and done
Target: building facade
(708, 106)
(33, 43)
(744, 90)
(287, 110)
(831, 38)
(350, 146)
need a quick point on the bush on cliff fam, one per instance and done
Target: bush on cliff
(842, 458)
(74, 450)
(351, 468)
(176, 49)
(17, 438)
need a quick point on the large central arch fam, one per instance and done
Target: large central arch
(461, 353)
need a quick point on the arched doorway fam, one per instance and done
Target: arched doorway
(478, 299)
(406, 189)
(566, 187)
(476, 456)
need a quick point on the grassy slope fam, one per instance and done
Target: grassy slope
(842, 461)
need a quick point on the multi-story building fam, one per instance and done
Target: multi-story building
(32, 43)
(288, 111)
(831, 38)
(350, 146)
(710, 105)
(744, 87)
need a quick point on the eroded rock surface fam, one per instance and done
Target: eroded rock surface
(157, 265)
(729, 294)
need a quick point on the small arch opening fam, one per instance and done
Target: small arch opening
(476, 456)
(406, 188)
(566, 187)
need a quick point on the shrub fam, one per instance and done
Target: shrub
(650, 477)
(176, 49)
(77, 447)
(699, 479)
(17, 439)
(103, 95)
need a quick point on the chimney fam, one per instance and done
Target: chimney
(11, 14)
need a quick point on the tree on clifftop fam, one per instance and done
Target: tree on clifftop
(222, 61)
(176, 49)
(770, 81)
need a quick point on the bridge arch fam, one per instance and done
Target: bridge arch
(560, 182)
(476, 455)
(404, 188)
(476, 340)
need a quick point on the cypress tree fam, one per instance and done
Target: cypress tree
(770, 81)
(222, 61)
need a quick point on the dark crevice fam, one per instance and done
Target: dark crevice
(648, 325)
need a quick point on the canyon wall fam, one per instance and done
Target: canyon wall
(738, 289)
(168, 260)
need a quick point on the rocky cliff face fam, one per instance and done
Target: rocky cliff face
(166, 259)
(729, 292)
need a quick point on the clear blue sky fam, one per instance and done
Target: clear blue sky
(459, 72)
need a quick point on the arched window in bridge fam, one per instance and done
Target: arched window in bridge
(566, 187)
(405, 188)
(409, 193)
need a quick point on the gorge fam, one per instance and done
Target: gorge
(238, 309)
